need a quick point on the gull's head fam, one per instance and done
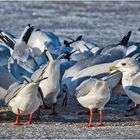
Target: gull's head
(126, 65)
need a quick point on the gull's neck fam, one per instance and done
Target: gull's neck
(128, 76)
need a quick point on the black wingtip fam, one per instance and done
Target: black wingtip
(66, 43)
(79, 38)
(45, 50)
(67, 55)
(28, 34)
(125, 39)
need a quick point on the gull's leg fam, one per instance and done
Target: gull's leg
(132, 111)
(38, 113)
(136, 106)
(53, 109)
(90, 119)
(87, 112)
(101, 117)
(128, 103)
(29, 121)
(17, 118)
(45, 106)
(65, 100)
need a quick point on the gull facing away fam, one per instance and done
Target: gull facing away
(130, 69)
(24, 98)
(92, 94)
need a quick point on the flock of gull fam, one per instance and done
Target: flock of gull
(37, 69)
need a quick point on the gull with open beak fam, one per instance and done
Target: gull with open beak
(130, 69)
(24, 98)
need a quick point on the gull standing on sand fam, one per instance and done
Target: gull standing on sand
(130, 69)
(92, 94)
(51, 86)
(24, 98)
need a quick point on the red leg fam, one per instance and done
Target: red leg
(28, 122)
(17, 118)
(90, 120)
(101, 117)
(132, 111)
(136, 106)
(87, 112)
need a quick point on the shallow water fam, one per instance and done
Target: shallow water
(103, 22)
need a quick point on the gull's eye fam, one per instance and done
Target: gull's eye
(123, 64)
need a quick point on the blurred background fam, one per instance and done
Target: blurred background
(102, 22)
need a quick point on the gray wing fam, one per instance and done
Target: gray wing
(13, 91)
(135, 86)
(118, 52)
(85, 87)
(81, 56)
(100, 59)
(38, 73)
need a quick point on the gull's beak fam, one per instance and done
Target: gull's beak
(113, 68)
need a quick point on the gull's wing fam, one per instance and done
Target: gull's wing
(13, 91)
(38, 73)
(85, 87)
(135, 85)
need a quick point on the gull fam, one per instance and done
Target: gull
(82, 49)
(39, 40)
(97, 71)
(92, 94)
(110, 48)
(8, 38)
(51, 86)
(84, 69)
(21, 61)
(130, 69)
(108, 56)
(81, 46)
(23, 98)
